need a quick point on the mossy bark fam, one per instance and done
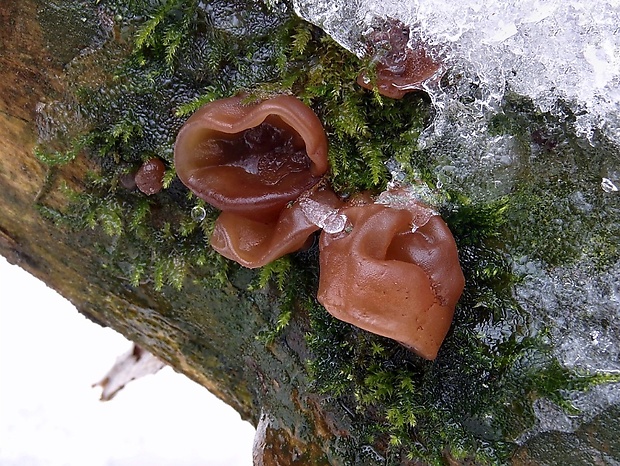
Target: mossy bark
(209, 332)
(205, 333)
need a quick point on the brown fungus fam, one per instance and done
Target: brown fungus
(150, 176)
(400, 67)
(128, 180)
(254, 243)
(394, 272)
(251, 160)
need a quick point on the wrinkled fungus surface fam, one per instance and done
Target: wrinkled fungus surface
(252, 159)
(400, 67)
(391, 276)
(150, 177)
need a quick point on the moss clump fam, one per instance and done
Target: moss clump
(185, 54)
(559, 213)
(476, 397)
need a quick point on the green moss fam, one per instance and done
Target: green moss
(476, 397)
(57, 158)
(558, 212)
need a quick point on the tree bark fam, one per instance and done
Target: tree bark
(206, 334)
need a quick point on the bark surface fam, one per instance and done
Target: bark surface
(207, 334)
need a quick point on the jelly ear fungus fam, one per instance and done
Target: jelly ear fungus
(392, 274)
(253, 161)
(401, 65)
(150, 177)
(254, 243)
(391, 268)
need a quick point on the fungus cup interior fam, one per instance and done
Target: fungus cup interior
(252, 159)
(383, 277)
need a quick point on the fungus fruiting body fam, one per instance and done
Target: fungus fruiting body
(392, 274)
(128, 181)
(253, 162)
(254, 243)
(150, 176)
(251, 159)
(400, 67)
(389, 267)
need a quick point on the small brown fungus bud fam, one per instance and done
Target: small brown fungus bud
(150, 176)
(128, 181)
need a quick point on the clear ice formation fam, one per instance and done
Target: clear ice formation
(547, 50)
(608, 186)
(408, 198)
(397, 196)
(323, 216)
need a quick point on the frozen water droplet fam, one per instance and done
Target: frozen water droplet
(335, 224)
(608, 186)
(421, 218)
(323, 216)
(198, 213)
(409, 198)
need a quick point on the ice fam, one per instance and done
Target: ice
(409, 197)
(547, 50)
(608, 186)
(578, 306)
(323, 216)
(563, 56)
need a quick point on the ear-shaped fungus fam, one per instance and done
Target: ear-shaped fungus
(399, 68)
(253, 243)
(254, 162)
(394, 273)
(251, 159)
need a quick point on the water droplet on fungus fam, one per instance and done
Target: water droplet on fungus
(323, 216)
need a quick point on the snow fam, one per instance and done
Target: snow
(547, 50)
(50, 414)
(564, 57)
